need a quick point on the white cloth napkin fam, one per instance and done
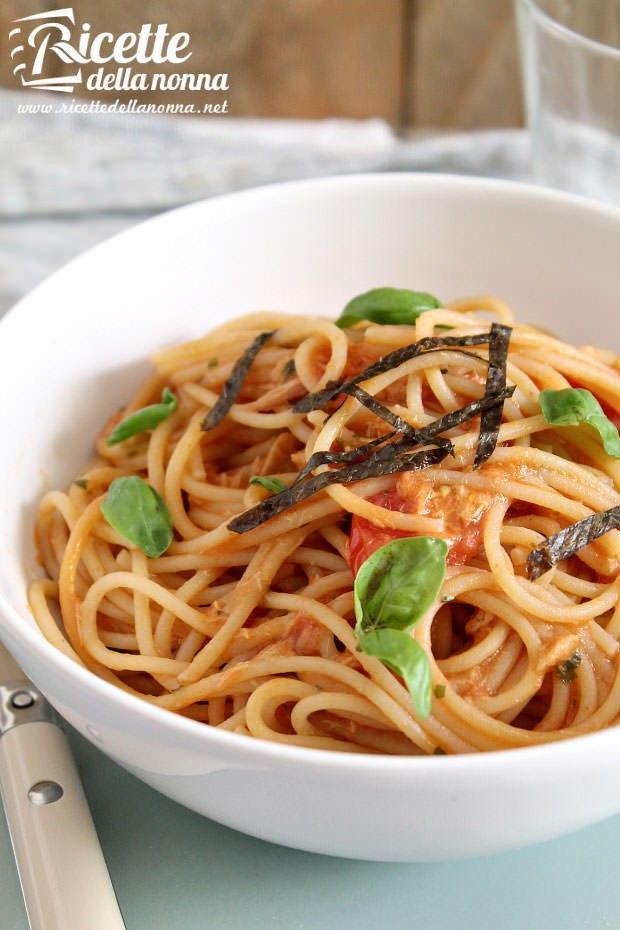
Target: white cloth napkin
(70, 180)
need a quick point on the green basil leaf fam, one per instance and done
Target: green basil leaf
(574, 406)
(393, 589)
(566, 671)
(289, 370)
(144, 419)
(387, 305)
(405, 656)
(135, 510)
(274, 485)
(397, 584)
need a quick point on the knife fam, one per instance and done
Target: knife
(63, 875)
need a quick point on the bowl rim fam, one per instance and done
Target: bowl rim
(257, 751)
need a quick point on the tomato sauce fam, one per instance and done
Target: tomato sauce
(460, 509)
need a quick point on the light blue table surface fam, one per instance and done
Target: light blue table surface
(69, 183)
(174, 870)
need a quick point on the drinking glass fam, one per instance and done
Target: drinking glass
(570, 54)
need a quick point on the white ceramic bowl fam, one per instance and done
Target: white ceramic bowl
(74, 348)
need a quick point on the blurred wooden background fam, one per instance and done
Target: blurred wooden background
(444, 63)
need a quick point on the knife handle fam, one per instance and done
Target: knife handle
(63, 874)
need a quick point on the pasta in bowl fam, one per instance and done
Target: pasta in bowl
(390, 533)
(360, 750)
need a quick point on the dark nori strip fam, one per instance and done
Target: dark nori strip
(341, 458)
(385, 458)
(384, 413)
(431, 432)
(391, 458)
(569, 541)
(371, 468)
(426, 434)
(490, 420)
(380, 410)
(318, 399)
(234, 382)
(463, 414)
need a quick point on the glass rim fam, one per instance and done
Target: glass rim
(554, 25)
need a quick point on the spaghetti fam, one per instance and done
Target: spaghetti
(287, 451)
